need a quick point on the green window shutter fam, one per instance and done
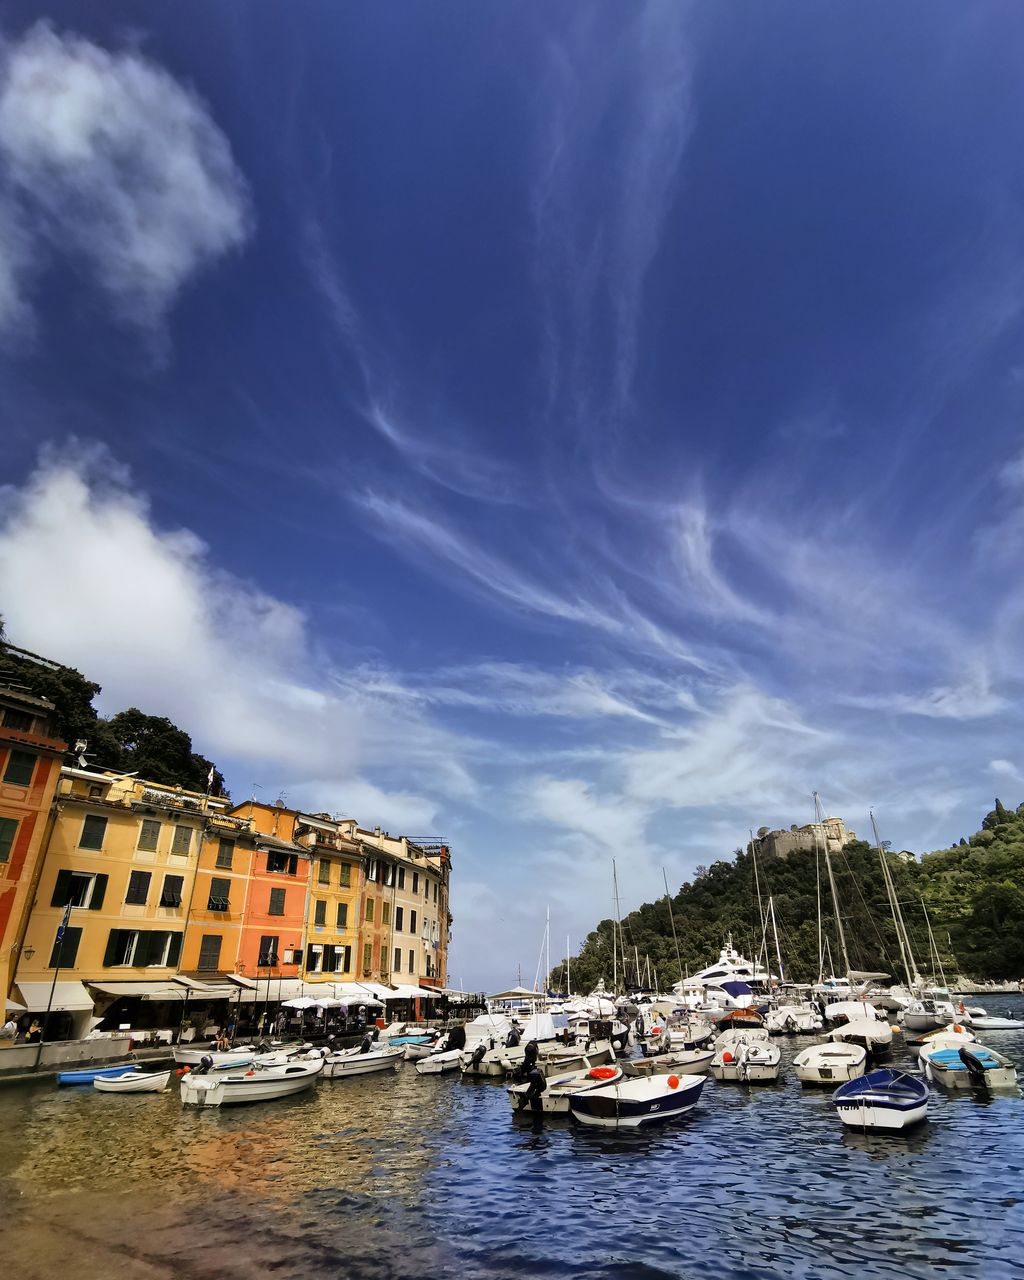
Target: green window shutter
(20, 767)
(8, 830)
(94, 828)
(209, 951)
(342, 915)
(61, 890)
(324, 871)
(149, 834)
(220, 895)
(182, 841)
(143, 948)
(225, 853)
(276, 907)
(367, 955)
(65, 952)
(99, 889)
(174, 951)
(320, 913)
(170, 892)
(113, 945)
(138, 888)
(369, 910)
(346, 875)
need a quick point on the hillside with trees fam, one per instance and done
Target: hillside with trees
(130, 741)
(973, 893)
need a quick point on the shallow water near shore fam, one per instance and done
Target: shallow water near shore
(405, 1176)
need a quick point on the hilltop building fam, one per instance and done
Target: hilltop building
(829, 835)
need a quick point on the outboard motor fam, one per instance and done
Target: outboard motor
(974, 1067)
(478, 1055)
(205, 1066)
(366, 1044)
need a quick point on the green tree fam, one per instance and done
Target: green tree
(156, 749)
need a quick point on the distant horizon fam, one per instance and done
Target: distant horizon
(580, 430)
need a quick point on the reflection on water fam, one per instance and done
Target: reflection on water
(402, 1175)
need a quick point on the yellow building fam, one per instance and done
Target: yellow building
(215, 914)
(123, 854)
(332, 924)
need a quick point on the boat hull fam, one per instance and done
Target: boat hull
(90, 1074)
(227, 1089)
(229, 1058)
(629, 1106)
(555, 1098)
(689, 1062)
(142, 1082)
(886, 1101)
(437, 1063)
(830, 1064)
(362, 1064)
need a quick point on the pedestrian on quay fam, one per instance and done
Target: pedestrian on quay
(35, 1032)
(9, 1031)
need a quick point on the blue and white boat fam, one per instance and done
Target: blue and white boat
(88, 1074)
(632, 1104)
(885, 1100)
(967, 1066)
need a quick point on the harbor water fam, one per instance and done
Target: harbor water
(401, 1176)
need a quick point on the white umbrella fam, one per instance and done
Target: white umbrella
(300, 1002)
(328, 1002)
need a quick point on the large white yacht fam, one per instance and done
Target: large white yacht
(729, 967)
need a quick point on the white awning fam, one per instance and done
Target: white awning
(68, 997)
(145, 990)
(412, 993)
(248, 983)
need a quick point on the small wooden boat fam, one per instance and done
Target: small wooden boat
(88, 1074)
(685, 1062)
(740, 1018)
(134, 1082)
(192, 1057)
(559, 1089)
(874, 1034)
(634, 1104)
(830, 1063)
(350, 1062)
(436, 1063)
(258, 1084)
(885, 1100)
(967, 1066)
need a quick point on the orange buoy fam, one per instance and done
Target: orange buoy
(655, 1031)
(673, 1082)
(602, 1073)
(958, 1028)
(727, 1056)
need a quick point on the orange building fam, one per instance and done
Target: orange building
(272, 933)
(30, 762)
(219, 895)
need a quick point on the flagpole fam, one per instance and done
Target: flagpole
(53, 985)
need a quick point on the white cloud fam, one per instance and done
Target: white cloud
(973, 698)
(114, 165)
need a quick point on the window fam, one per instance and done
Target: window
(415, 882)
(412, 961)
(397, 966)
(209, 951)
(225, 853)
(331, 957)
(276, 907)
(268, 952)
(80, 888)
(20, 767)
(346, 960)
(371, 871)
(170, 894)
(389, 874)
(342, 915)
(220, 893)
(369, 910)
(286, 864)
(346, 875)
(20, 721)
(149, 834)
(435, 893)
(121, 945)
(399, 918)
(94, 828)
(412, 921)
(320, 913)
(181, 843)
(138, 888)
(65, 950)
(96, 792)
(385, 913)
(8, 830)
(158, 949)
(314, 958)
(367, 955)
(401, 877)
(324, 871)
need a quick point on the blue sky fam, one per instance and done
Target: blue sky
(579, 430)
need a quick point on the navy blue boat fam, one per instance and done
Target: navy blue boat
(886, 1100)
(88, 1074)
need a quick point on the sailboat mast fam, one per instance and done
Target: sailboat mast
(672, 922)
(775, 931)
(618, 921)
(547, 947)
(931, 941)
(902, 938)
(817, 887)
(568, 975)
(763, 949)
(840, 932)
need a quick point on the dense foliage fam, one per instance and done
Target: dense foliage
(132, 741)
(973, 893)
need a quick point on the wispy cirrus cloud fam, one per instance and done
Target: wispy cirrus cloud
(113, 166)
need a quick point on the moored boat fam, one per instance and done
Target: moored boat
(134, 1082)
(873, 1034)
(830, 1063)
(240, 1057)
(746, 1058)
(559, 1089)
(88, 1074)
(684, 1062)
(967, 1066)
(258, 1084)
(885, 1100)
(633, 1104)
(351, 1062)
(992, 1023)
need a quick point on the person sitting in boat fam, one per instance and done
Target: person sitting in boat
(222, 1044)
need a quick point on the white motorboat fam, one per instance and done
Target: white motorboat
(793, 1020)
(992, 1023)
(558, 1089)
(691, 1033)
(745, 1058)
(682, 1062)
(830, 1063)
(968, 1065)
(352, 1062)
(258, 1084)
(241, 1056)
(952, 1037)
(632, 1104)
(414, 1051)
(933, 1009)
(436, 1063)
(874, 1034)
(885, 1100)
(134, 1082)
(853, 1011)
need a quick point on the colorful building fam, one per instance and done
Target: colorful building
(332, 926)
(215, 915)
(30, 761)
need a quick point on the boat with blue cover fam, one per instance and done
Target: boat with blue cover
(88, 1074)
(885, 1100)
(967, 1066)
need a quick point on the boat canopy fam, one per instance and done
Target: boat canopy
(736, 989)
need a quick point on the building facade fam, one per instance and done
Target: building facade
(332, 925)
(829, 835)
(30, 763)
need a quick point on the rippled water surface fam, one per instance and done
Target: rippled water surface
(400, 1176)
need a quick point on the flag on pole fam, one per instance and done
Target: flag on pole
(209, 778)
(63, 925)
